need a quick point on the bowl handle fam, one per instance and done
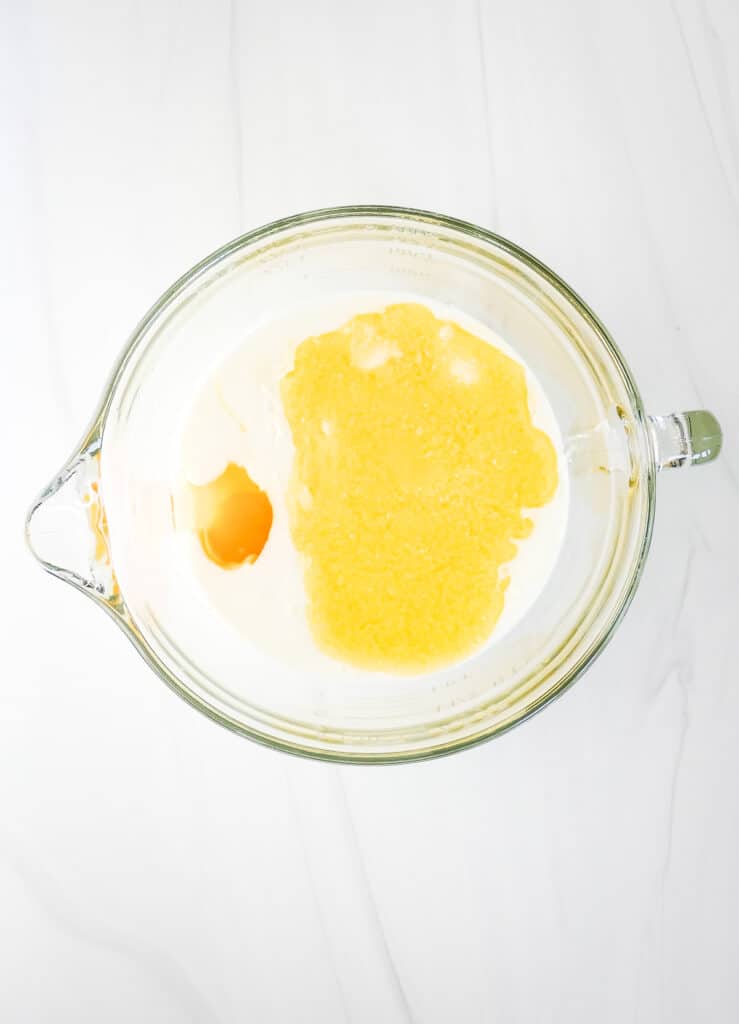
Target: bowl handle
(67, 529)
(685, 438)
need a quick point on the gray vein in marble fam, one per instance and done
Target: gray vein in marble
(704, 110)
(50, 899)
(722, 84)
(371, 903)
(653, 250)
(297, 818)
(670, 630)
(494, 213)
(238, 140)
(681, 669)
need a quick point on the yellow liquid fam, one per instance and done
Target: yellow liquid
(415, 460)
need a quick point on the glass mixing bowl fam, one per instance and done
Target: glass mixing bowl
(104, 523)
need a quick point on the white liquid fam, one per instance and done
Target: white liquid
(238, 417)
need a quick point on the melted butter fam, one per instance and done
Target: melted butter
(415, 460)
(232, 517)
(97, 519)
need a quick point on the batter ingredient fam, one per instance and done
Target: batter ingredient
(232, 517)
(415, 460)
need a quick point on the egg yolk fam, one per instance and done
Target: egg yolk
(232, 517)
(415, 461)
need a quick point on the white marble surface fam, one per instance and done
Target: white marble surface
(583, 868)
